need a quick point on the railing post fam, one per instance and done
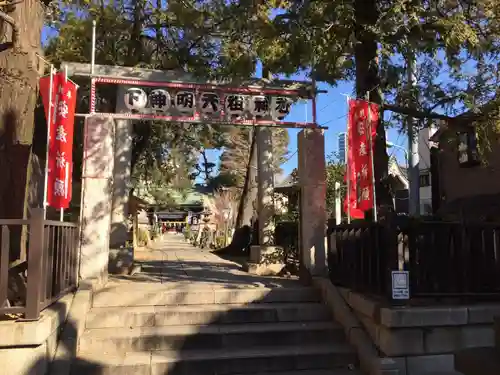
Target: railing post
(77, 250)
(398, 253)
(35, 256)
(389, 237)
(4, 264)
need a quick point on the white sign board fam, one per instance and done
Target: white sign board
(400, 285)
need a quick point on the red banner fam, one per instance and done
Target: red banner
(60, 152)
(362, 129)
(351, 201)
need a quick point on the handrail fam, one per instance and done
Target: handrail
(15, 221)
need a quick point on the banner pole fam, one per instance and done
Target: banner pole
(61, 214)
(369, 116)
(49, 120)
(92, 57)
(348, 167)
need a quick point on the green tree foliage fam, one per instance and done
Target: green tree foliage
(335, 172)
(183, 35)
(456, 44)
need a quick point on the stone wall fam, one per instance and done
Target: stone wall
(408, 340)
(484, 361)
(48, 345)
(28, 347)
(425, 337)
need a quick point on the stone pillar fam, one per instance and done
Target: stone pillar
(97, 179)
(121, 175)
(265, 180)
(313, 218)
(265, 259)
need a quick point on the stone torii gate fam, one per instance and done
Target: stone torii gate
(107, 157)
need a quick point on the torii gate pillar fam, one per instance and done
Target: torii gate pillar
(313, 217)
(121, 174)
(97, 185)
(265, 178)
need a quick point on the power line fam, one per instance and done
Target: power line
(291, 156)
(334, 119)
(326, 106)
(396, 143)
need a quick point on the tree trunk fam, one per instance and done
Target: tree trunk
(368, 81)
(249, 193)
(19, 73)
(246, 207)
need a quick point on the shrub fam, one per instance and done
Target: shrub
(187, 232)
(142, 237)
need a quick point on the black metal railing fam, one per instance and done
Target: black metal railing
(444, 259)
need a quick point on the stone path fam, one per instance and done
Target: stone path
(175, 261)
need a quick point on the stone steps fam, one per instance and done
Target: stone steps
(174, 329)
(285, 359)
(223, 337)
(147, 316)
(135, 296)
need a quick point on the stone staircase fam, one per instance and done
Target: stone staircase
(162, 329)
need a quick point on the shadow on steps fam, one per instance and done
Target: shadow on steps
(207, 328)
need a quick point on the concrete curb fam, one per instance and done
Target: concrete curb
(72, 330)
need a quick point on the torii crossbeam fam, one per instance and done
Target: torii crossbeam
(179, 81)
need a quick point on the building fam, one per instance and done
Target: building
(400, 185)
(424, 150)
(468, 183)
(342, 147)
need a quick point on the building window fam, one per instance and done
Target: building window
(425, 179)
(468, 155)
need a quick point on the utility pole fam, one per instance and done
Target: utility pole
(413, 136)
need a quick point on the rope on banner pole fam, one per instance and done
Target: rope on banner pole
(92, 96)
(375, 214)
